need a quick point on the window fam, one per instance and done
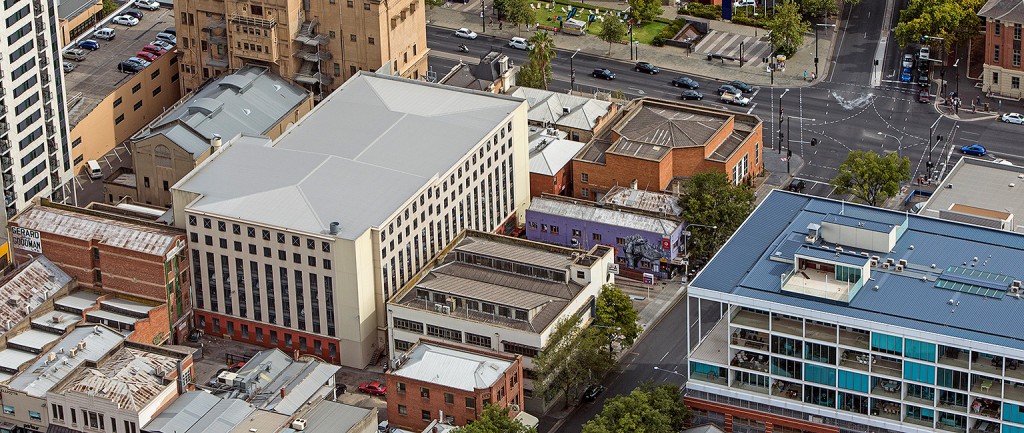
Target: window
(136, 88)
(478, 340)
(995, 78)
(584, 177)
(471, 403)
(117, 102)
(448, 398)
(1016, 32)
(424, 392)
(353, 39)
(997, 28)
(554, 230)
(425, 415)
(402, 410)
(576, 233)
(585, 192)
(366, 6)
(1014, 82)
(370, 40)
(597, 237)
(119, 119)
(995, 53)
(35, 416)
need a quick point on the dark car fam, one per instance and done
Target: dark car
(591, 393)
(135, 13)
(922, 79)
(373, 388)
(685, 82)
(691, 94)
(603, 73)
(725, 88)
(924, 97)
(89, 44)
(744, 87)
(129, 67)
(171, 31)
(797, 185)
(974, 149)
(646, 68)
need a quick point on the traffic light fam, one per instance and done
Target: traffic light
(789, 153)
(780, 135)
(814, 142)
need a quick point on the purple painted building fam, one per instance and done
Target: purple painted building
(643, 227)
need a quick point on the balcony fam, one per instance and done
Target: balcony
(747, 386)
(43, 61)
(4, 127)
(307, 35)
(1013, 391)
(5, 146)
(954, 357)
(9, 200)
(750, 361)
(47, 95)
(786, 325)
(1014, 369)
(788, 390)
(887, 388)
(986, 407)
(313, 55)
(987, 364)
(751, 319)
(219, 40)
(44, 77)
(917, 419)
(886, 365)
(986, 385)
(8, 178)
(39, 28)
(37, 6)
(982, 426)
(952, 422)
(886, 409)
(752, 339)
(855, 360)
(821, 332)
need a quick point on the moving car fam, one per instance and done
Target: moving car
(732, 98)
(89, 44)
(125, 20)
(147, 56)
(905, 75)
(134, 13)
(76, 54)
(154, 49)
(725, 88)
(105, 33)
(692, 94)
(465, 33)
(746, 88)
(908, 61)
(603, 73)
(1015, 118)
(591, 393)
(646, 68)
(924, 97)
(147, 4)
(923, 54)
(373, 388)
(685, 82)
(520, 43)
(796, 185)
(742, 3)
(129, 67)
(974, 149)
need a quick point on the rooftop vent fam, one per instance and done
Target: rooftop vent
(335, 227)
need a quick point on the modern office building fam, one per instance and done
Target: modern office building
(846, 318)
(35, 159)
(981, 192)
(298, 242)
(317, 44)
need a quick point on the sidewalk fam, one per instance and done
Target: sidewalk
(753, 71)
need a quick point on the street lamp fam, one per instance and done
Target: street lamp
(942, 72)
(816, 45)
(898, 141)
(572, 72)
(656, 368)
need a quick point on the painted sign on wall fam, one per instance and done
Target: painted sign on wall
(26, 239)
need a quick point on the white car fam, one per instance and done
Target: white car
(908, 61)
(1015, 118)
(520, 43)
(147, 4)
(924, 54)
(125, 20)
(162, 44)
(465, 33)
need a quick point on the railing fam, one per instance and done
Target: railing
(4, 128)
(5, 145)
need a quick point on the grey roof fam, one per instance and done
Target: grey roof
(249, 101)
(182, 413)
(744, 268)
(222, 417)
(549, 107)
(33, 339)
(706, 428)
(1006, 10)
(830, 255)
(650, 201)
(130, 378)
(350, 139)
(588, 211)
(453, 368)
(29, 287)
(273, 370)
(12, 359)
(331, 417)
(980, 184)
(549, 154)
(848, 221)
(99, 341)
(78, 301)
(69, 9)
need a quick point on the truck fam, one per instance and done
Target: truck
(732, 98)
(573, 27)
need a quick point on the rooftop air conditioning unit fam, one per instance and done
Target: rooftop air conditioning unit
(72, 352)
(437, 307)
(874, 263)
(899, 268)
(886, 265)
(446, 309)
(903, 262)
(839, 249)
(299, 424)
(1015, 283)
(889, 260)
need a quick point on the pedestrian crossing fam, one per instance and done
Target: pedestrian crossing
(728, 44)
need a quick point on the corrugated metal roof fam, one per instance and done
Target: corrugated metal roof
(42, 375)
(88, 227)
(517, 251)
(832, 256)
(612, 217)
(78, 301)
(33, 338)
(182, 413)
(351, 138)
(1006, 10)
(308, 382)
(331, 417)
(222, 417)
(549, 107)
(980, 184)
(467, 371)
(130, 378)
(262, 421)
(550, 154)
(905, 299)
(29, 287)
(12, 359)
(650, 201)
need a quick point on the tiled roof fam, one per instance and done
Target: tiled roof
(1006, 10)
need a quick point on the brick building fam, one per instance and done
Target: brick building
(550, 161)
(110, 253)
(653, 142)
(1002, 71)
(451, 383)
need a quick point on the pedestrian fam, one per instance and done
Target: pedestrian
(814, 76)
(805, 75)
(500, 23)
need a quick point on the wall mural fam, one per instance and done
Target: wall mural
(637, 248)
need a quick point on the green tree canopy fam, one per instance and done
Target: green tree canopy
(519, 12)
(536, 72)
(530, 76)
(496, 420)
(616, 317)
(819, 8)
(108, 7)
(952, 20)
(711, 199)
(872, 178)
(612, 32)
(648, 409)
(571, 358)
(787, 28)
(644, 11)
(434, 3)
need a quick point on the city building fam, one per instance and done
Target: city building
(578, 116)
(75, 17)
(644, 228)
(250, 101)
(105, 106)
(652, 143)
(495, 73)
(304, 259)
(838, 317)
(202, 412)
(1002, 72)
(550, 157)
(500, 294)
(35, 156)
(273, 381)
(318, 44)
(981, 192)
(139, 322)
(435, 379)
(109, 253)
(29, 291)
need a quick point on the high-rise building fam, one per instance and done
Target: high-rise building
(34, 155)
(316, 43)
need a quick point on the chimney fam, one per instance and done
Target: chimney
(282, 392)
(335, 227)
(216, 142)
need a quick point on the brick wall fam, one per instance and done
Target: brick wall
(617, 170)
(1006, 41)
(204, 320)
(558, 184)
(772, 422)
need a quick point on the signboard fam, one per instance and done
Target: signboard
(26, 239)
(666, 244)
(613, 268)
(648, 278)
(685, 233)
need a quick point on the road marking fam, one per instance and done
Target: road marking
(638, 91)
(663, 357)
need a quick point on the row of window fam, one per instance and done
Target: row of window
(90, 419)
(250, 232)
(474, 305)
(1016, 55)
(267, 251)
(998, 29)
(455, 335)
(271, 336)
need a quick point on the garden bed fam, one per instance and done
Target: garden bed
(547, 18)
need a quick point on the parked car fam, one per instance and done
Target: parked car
(134, 13)
(591, 392)
(796, 185)
(105, 33)
(167, 37)
(125, 20)
(922, 79)
(68, 67)
(923, 54)
(520, 43)
(744, 87)
(147, 4)
(129, 67)
(924, 97)
(373, 388)
(89, 44)
(603, 73)
(1015, 118)
(139, 61)
(974, 149)
(690, 94)
(725, 88)
(908, 61)
(685, 82)
(146, 55)
(76, 54)
(163, 45)
(905, 75)
(154, 49)
(170, 30)
(465, 33)
(646, 68)
(735, 99)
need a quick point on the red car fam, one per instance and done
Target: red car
(147, 56)
(153, 49)
(373, 388)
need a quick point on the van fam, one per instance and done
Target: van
(95, 172)
(106, 33)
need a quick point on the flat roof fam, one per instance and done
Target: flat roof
(130, 378)
(350, 138)
(41, 376)
(12, 359)
(589, 211)
(112, 316)
(915, 298)
(981, 185)
(332, 417)
(88, 226)
(33, 338)
(97, 77)
(128, 306)
(78, 301)
(459, 369)
(650, 201)
(28, 288)
(57, 320)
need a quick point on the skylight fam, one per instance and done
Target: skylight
(974, 281)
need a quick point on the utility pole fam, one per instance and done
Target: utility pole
(940, 61)
(630, 39)
(572, 72)
(780, 122)
(483, 18)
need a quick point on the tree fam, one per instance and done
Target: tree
(648, 409)
(108, 7)
(434, 3)
(571, 358)
(711, 199)
(537, 71)
(872, 178)
(529, 76)
(616, 317)
(644, 11)
(519, 12)
(819, 8)
(787, 28)
(952, 20)
(496, 420)
(851, 3)
(612, 32)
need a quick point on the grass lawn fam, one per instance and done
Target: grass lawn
(644, 33)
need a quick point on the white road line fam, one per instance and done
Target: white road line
(663, 357)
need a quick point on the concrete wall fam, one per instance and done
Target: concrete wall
(85, 19)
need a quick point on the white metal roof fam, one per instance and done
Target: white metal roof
(33, 338)
(550, 107)
(14, 358)
(360, 155)
(88, 227)
(549, 154)
(42, 375)
(613, 217)
(453, 368)
(79, 300)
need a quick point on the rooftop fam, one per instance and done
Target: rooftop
(446, 366)
(33, 340)
(78, 300)
(331, 417)
(980, 192)
(563, 109)
(272, 370)
(251, 101)
(182, 413)
(97, 77)
(590, 211)
(91, 343)
(28, 288)
(130, 378)
(69, 9)
(1005, 10)
(550, 151)
(972, 267)
(89, 226)
(643, 200)
(350, 139)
